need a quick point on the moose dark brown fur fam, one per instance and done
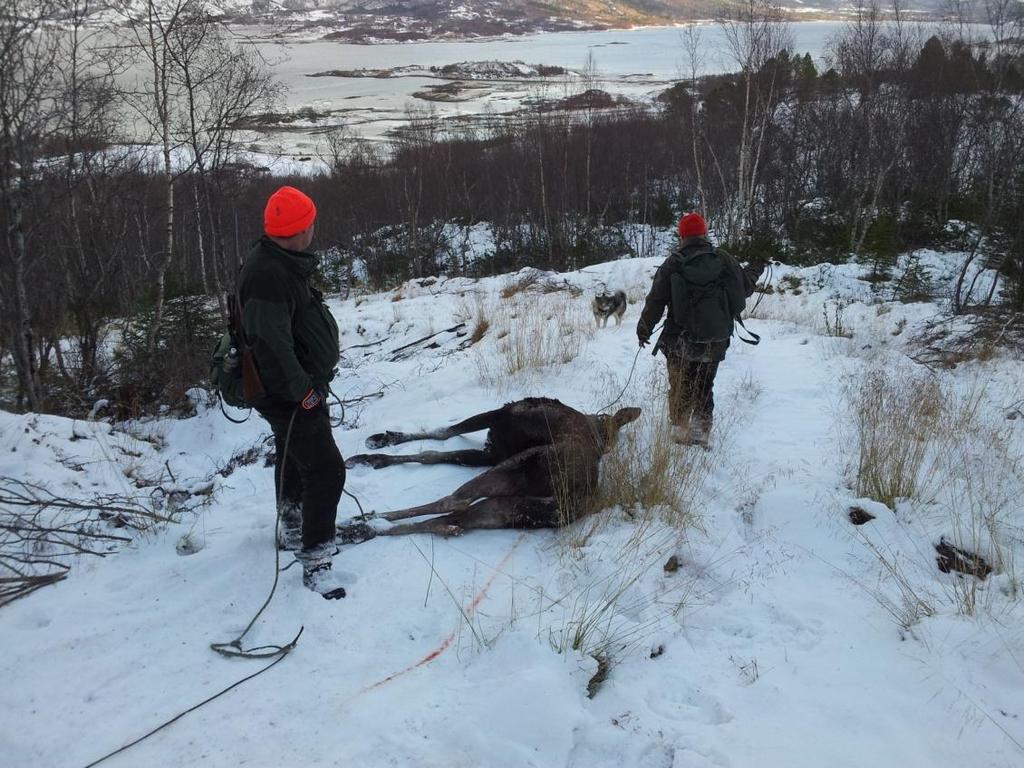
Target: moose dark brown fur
(544, 458)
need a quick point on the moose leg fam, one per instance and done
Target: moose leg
(441, 506)
(471, 457)
(472, 424)
(524, 474)
(508, 512)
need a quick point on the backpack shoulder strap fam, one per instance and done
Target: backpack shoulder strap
(236, 318)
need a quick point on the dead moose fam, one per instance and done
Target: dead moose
(544, 458)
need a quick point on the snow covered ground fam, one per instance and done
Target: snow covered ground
(773, 644)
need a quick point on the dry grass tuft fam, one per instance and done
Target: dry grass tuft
(477, 314)
(616, 598)
(897, 417)
(650, 477)
(532, 333)
(951, 465)
(520, 284)
(537, 281)
(480, 328)
(912, 601)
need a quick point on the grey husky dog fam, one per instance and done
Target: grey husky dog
(606, 305)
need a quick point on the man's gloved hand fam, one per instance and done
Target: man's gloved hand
(312, 399)
(757, 266)
(644, 341)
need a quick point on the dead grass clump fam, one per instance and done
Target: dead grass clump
(531, 334)
(520, 284)
(897, 418)
(476, 314)
(537, 281)
(979, 500)
(480, 328)
(912, 601)
(953, 465)
(649, 476)
(647, 471)
(614, 602)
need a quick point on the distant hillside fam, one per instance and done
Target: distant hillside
(588, 11)
(370, 20)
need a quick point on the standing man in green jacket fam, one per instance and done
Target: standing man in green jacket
(294, 340)
(704, 290)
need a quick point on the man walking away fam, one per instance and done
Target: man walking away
(705, 291)
(294, 341)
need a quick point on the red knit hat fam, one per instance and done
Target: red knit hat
(288, 212)
(692, 225)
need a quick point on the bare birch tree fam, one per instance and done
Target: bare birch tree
(755, 35)
(28, 54)
(155, 99)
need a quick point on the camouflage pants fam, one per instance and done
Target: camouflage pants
(691, 391)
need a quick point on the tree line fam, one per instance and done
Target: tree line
(127, 205)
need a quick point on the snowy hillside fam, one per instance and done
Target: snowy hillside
(403, 20)
(745, 620)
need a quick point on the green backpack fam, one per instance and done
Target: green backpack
(233, 370)
(706, 296)
(226, 371)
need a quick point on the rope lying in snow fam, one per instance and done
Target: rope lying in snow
(233, 649)
(203, 703)
(446, 643)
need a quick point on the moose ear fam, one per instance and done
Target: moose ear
(625, 416)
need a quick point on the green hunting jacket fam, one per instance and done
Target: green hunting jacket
(293, 335)
(659, 299)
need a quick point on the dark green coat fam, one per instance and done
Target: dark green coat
(293, 335)
(659, 299)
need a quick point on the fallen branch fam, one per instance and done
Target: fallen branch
(360, 398)
(41, 531)
(19, 493)
(13, 588)
(364, 346)
(395, 352)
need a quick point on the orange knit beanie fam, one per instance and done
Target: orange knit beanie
(288, 212)
(692, 225)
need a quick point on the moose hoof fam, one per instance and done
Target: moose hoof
(451, 530)
(382, 440)
(355, 533)
(375, 460)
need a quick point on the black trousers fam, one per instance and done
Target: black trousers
(309, 471)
